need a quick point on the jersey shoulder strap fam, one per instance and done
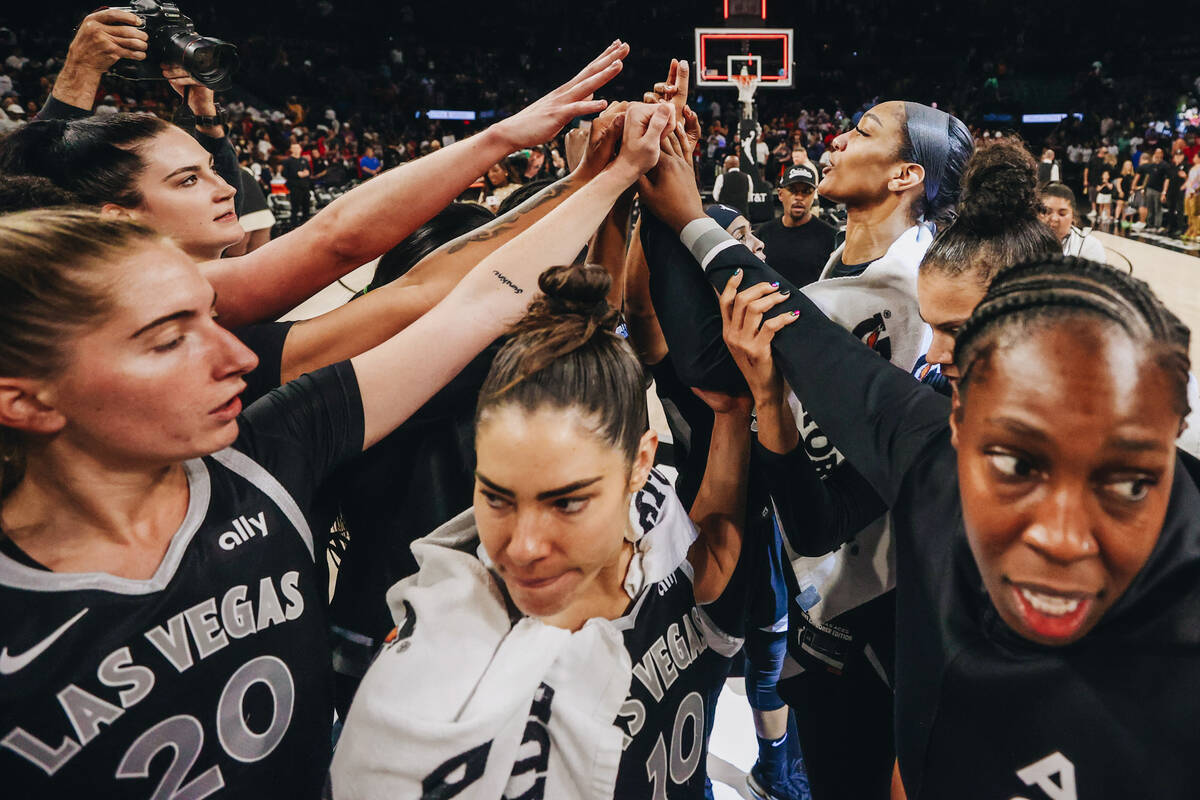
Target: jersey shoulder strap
(243, 465)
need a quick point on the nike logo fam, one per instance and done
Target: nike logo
(15, 663)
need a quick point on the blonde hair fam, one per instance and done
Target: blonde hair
(52, 285)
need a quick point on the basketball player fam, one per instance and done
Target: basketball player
(564, 636)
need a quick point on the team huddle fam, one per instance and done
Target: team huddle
(945, 480)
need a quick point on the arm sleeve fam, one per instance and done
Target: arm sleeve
(225, 163)
(305, 429)
(688, 313)
(57, 109)
(817, 515)
(717, 184)
(873, 411)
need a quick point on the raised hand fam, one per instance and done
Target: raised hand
(748, 336)
(539, 122)
(669, 190)
(602, 138)
(104, 37)
(674, 90)
(643, 130)
(200, 98)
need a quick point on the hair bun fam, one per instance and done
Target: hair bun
(999, 187)
(577, 289)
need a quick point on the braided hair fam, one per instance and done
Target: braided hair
(1046, 290)
(565, 353)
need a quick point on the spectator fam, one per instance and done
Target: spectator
(733, 187)
(1104, 196)
(1153, 175)
(297, 171)
(1049, 170)
(1173, 190)
(1125, 201)
(1091, 178)
(1058, 203)
(498, 183)
(1191, 201)
(368, 165)
(798, 245)
(12, 117)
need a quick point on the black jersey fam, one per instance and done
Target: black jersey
(212, 677)
(680, 653)
(980, 711)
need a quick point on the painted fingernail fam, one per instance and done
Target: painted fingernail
(785, 292)
(775, 284)
(795, 312)
(737, 271)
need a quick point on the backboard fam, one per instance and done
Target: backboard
(721, 53)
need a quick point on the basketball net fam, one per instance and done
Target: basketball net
(746, 84)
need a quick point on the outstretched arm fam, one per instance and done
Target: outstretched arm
(645, 333)
(398, 376)
(382, 313)
(719, 510)
(366, 222)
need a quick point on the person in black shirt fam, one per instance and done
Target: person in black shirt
(799, 244)
(1177, 173)
(298, 172)
(1153, 175)
(733, 187)
(1047, 540)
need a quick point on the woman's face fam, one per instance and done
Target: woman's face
(157, 381)
(497, 175)
(945, 302)
(552, 507)
(1058, 215)
(183, 198)
(740, 229)
(864, 159)
(1064, 478)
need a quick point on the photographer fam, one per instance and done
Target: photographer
(105, 37)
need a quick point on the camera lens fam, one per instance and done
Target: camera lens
(210, 61)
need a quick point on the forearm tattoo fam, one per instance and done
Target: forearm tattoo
(494, 229)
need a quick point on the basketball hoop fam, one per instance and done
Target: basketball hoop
(746, 85)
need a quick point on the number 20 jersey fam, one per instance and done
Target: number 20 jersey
(212, 677)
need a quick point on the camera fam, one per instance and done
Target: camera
(173, 40)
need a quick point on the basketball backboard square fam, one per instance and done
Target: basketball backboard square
(765, 52)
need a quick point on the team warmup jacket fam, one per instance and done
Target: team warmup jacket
(981, 712)
(470, 699)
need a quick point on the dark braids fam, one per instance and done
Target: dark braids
(1045, 289)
